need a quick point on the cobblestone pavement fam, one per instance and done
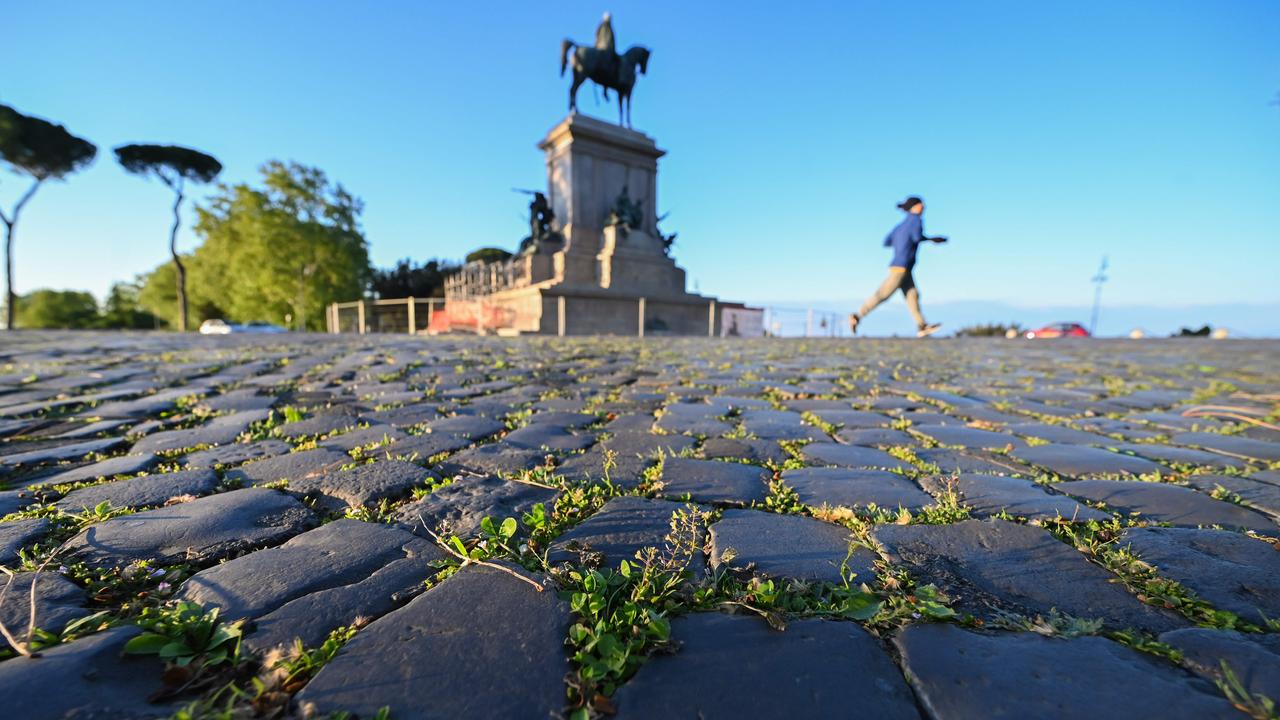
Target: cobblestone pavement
(413, 528)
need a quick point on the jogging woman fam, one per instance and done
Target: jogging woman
(903, 239)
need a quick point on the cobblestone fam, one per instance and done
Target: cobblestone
(1027, 469)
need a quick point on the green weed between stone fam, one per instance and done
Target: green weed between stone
(187, 635)
(1256, 705)
(39, 639)
(624, 613)
(1099, 541)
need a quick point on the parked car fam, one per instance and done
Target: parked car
(1058, 330)
(215, 326)
(261, 327)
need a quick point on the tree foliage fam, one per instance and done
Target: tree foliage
(408, 279)
(288, 248)
(988, 330)
(172, 164)
(66, 309)
(489, 255)
(39, 148)
(158, 296)
(122, 310)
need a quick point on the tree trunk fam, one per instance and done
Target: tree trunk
(302, 299)
(10, 297)
(177, 263)
(8, 276)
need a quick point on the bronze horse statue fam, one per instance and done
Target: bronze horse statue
(608, 70)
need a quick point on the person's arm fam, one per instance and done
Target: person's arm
(921, 237)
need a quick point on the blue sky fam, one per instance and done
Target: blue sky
(1043, 135)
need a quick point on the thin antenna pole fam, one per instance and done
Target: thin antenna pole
(1098, 280)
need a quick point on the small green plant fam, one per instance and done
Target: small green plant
(906, 602)
(186, 635)
(430, 485)
(576, 502)
(126, 589)
(794, 450)
(813, 419)
(1255, 705)
(945, 511)
(651, 477)
(303, 664)
(500, 536)
(783, 499)
(621, 617)
(39, 639)
(622, 614)
(1144, 642)
(101, 512)
(1054, 624)
(63, 525)
(906, 455)
(383, 512)
(1098, 540)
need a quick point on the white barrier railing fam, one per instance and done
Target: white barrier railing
(417, 315)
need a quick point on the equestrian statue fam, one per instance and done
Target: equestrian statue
(605, 67)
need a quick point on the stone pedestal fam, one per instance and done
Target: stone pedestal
(589, 162)
(605, 279)
(634, 261)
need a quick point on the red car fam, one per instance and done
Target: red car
(1058, 330)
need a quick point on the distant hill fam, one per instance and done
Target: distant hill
(1241, 319)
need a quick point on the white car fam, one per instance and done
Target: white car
(215, 326)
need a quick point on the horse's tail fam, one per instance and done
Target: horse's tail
(565, 46)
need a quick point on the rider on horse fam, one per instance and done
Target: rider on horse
(605, 67)
(608, 52)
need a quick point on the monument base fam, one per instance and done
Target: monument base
(609, 272)
(557, 310)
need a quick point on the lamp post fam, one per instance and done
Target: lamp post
(1097, 280)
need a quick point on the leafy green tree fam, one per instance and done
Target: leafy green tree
(122, 309)
(489, 255)
(288, 248)
(67, 309)
(42, 151)
(989, 330)
(408, 279)
(174, 166)
(158, 294)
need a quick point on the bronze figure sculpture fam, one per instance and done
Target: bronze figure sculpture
(603, 66)
(540, 218)
(626, 213)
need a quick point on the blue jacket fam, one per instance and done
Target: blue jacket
(903, 239)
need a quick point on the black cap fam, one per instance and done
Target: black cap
(910, 203)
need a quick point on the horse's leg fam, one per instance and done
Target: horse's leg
(621, 117)
(573, 89)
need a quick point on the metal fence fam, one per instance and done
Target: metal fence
(805, 322)
(400, 315)
(425, 315)
(475, 315)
